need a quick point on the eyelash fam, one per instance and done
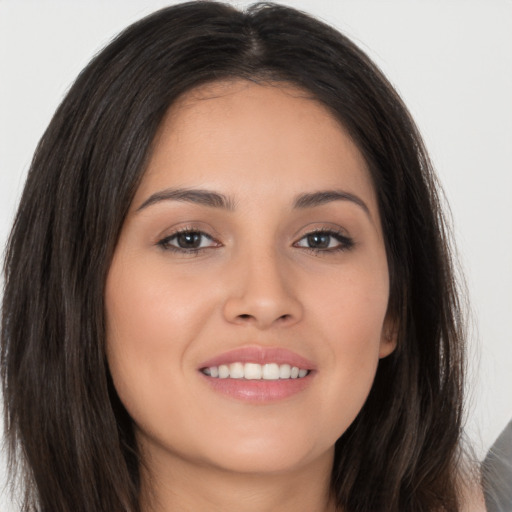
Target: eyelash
(165, 243)
(345, 243)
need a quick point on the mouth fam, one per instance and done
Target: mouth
(258, 374)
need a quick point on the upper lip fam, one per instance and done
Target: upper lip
(260, 355)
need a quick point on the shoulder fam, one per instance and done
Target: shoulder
(473, 499)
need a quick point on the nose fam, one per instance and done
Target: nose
(262, 293)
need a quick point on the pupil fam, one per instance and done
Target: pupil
(189, 240)
(319, 241)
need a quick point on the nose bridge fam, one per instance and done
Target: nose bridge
(263, 292)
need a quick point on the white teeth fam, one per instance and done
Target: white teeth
(271, 371)
(285, 371)
(254, 371)
(223, 371)
(236, 370)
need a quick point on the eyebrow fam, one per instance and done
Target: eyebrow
(198, 196)
(217, 200)
(327, 196)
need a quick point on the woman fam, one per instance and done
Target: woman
(228, 285)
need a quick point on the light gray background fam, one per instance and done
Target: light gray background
(450, 59)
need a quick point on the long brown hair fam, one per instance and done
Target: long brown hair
(68, 434)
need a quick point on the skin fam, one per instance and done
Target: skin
(256, 281)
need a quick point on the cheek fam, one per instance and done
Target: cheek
(151, 324)
(349, 312)
(146, 308)
(350, 305)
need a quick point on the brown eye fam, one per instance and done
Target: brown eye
(188, 241)
(319, 240)
(325, 241)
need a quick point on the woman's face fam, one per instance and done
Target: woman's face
(253, 248)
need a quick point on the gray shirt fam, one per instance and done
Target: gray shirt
(497, 473)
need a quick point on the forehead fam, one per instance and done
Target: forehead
(269, 136)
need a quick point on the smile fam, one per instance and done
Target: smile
(255, 371)
(257, 374)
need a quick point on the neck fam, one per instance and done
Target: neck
(185, 486)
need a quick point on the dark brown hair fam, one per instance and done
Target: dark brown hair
(68, 434)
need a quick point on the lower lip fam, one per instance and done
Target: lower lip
(259, 390)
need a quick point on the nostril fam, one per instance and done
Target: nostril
(282, 318)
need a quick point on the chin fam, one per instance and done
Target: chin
(277, 452)
(267, 462)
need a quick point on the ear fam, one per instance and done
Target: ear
(389, 337)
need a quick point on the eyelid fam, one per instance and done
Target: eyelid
(186, 226)
(346, 242)
(164, 241)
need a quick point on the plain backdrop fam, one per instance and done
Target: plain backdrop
(451, 60)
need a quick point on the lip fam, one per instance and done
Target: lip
(260, 355)
(259, 391)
